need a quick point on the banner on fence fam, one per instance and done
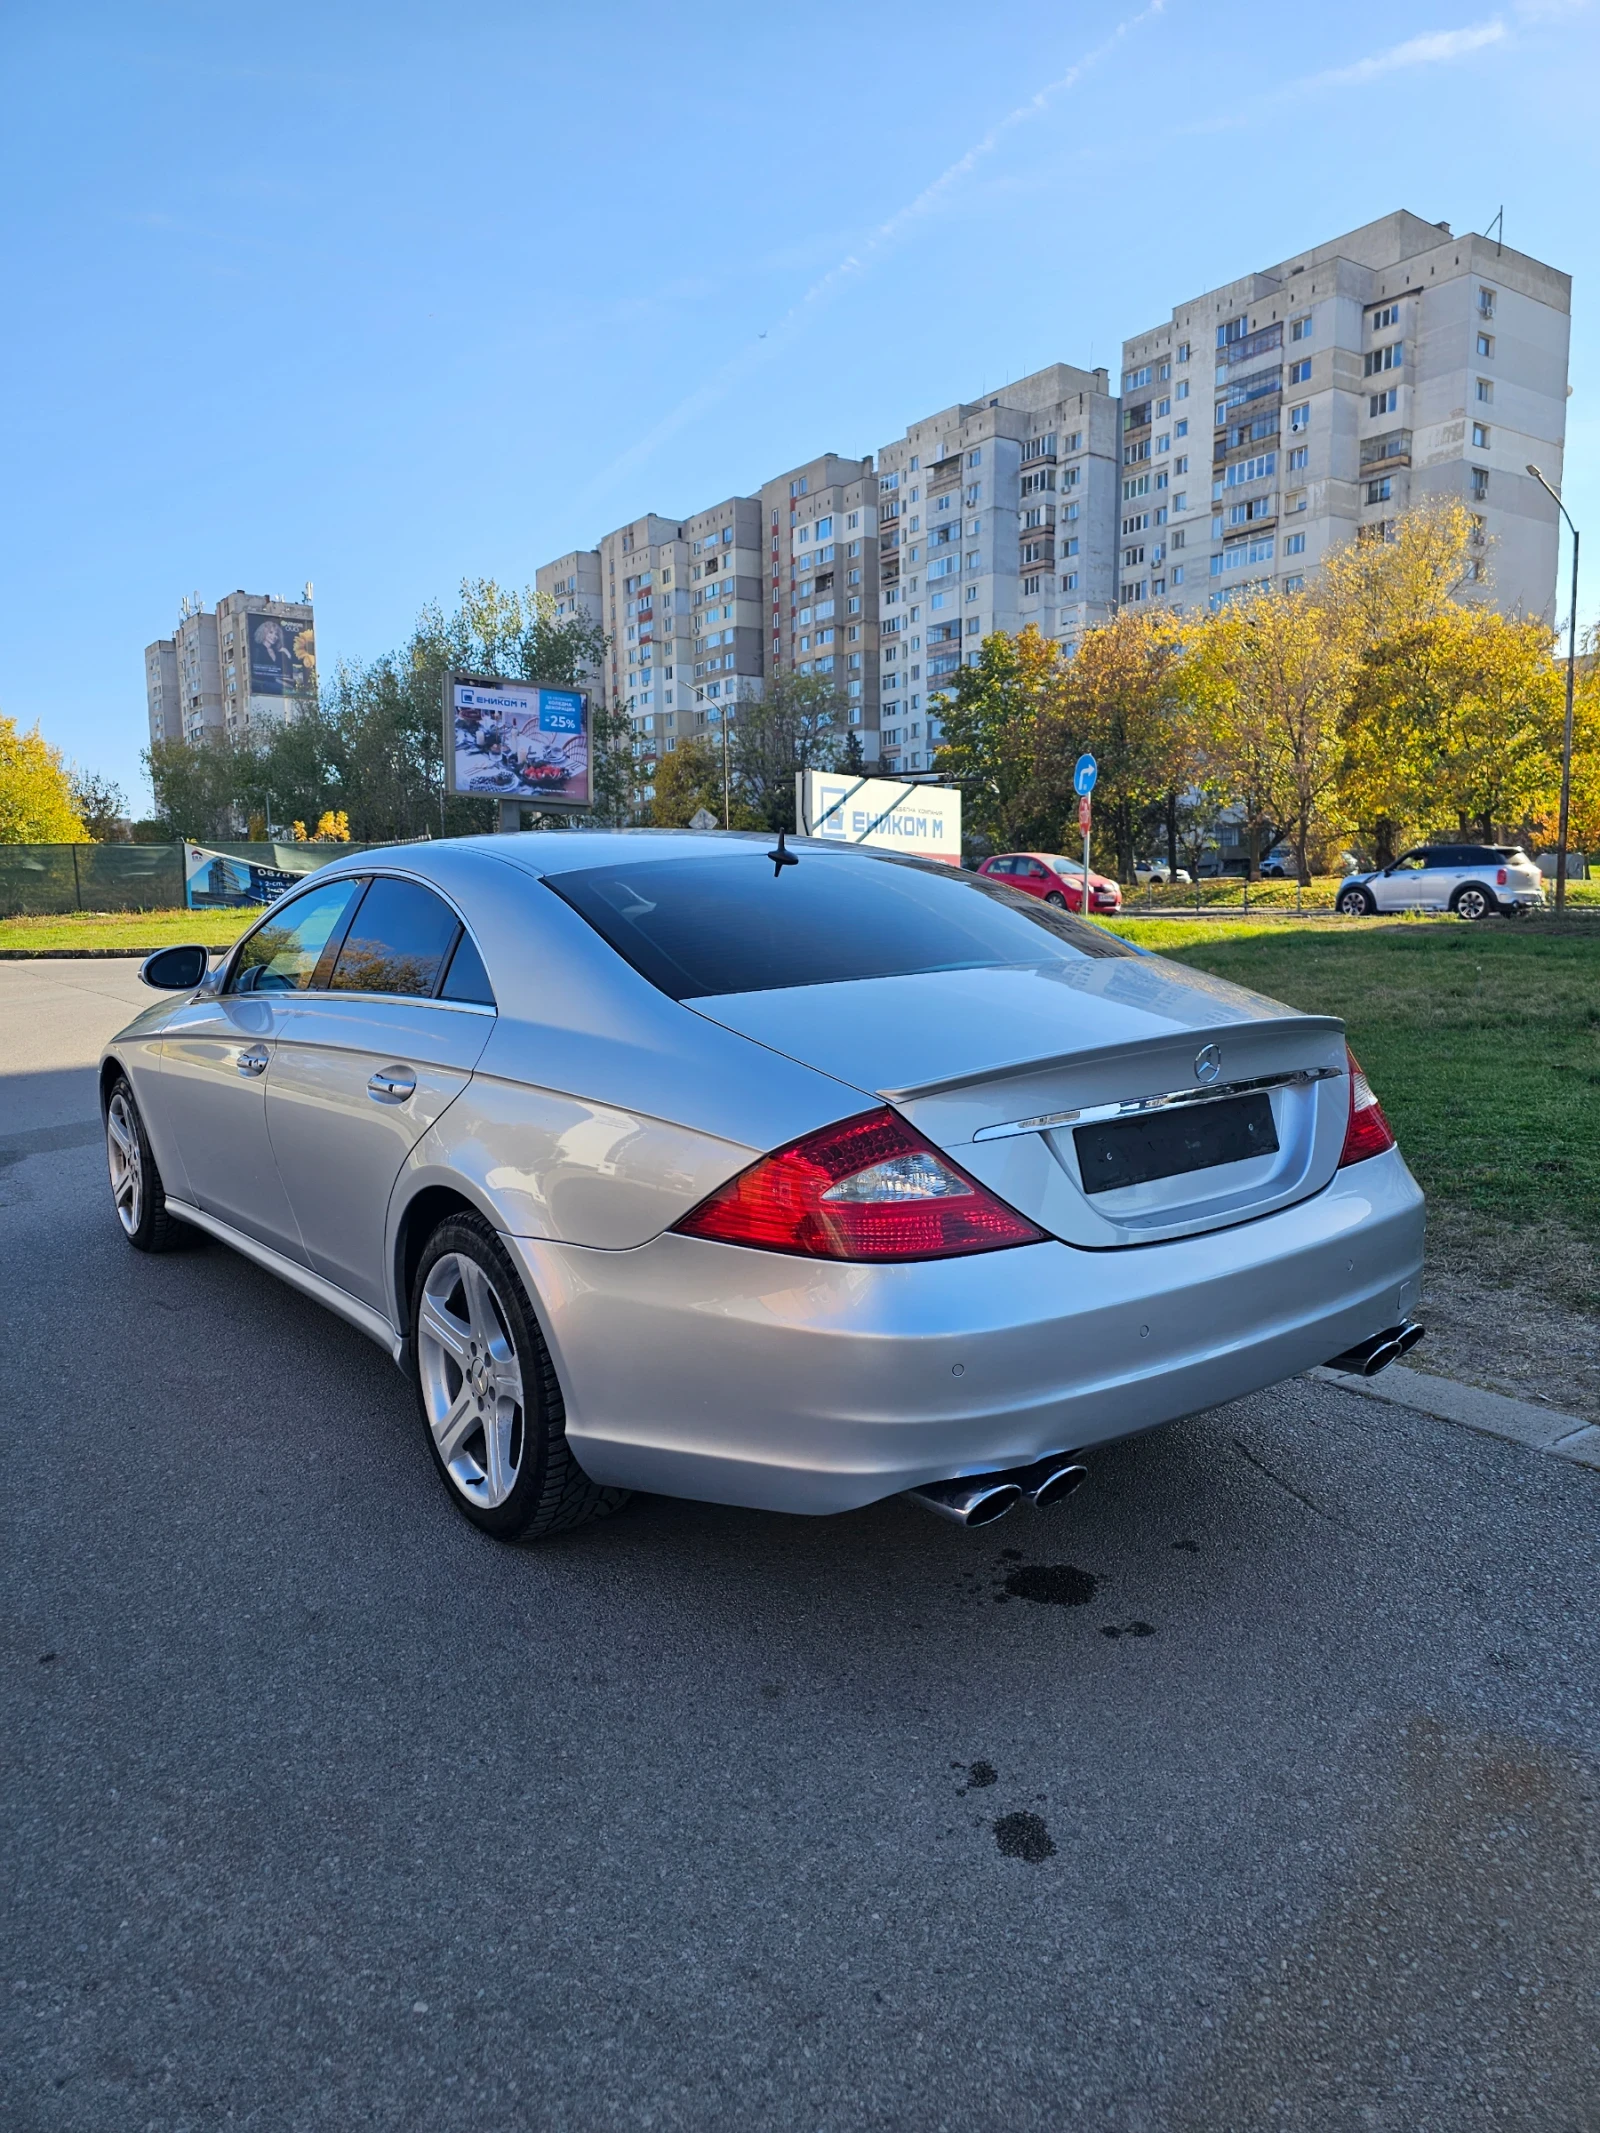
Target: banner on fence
(213, 881)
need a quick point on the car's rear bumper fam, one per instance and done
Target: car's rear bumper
(737, 1376)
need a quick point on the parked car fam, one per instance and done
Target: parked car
(1473, 880)
(1279, 864)
(1155, 873)
(1058, 880)
(793, 1178)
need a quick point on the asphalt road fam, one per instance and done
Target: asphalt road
(1255, 1788)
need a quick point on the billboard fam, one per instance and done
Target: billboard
(517, 740)
(283, 656)
(213, 881)
(892, 814)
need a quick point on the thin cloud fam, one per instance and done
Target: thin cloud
(1434, 49)
(855, 265)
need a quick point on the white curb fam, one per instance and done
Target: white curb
(1491, 1413)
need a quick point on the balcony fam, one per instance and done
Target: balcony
(1245, 351)
(1392, 449)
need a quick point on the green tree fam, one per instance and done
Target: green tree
(691, 777)
(1002, 741)
(99, 804)
(1121, 697)
(36, 804)
(799, 722)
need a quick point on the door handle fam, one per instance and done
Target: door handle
(253, 1060)
(392, 1085)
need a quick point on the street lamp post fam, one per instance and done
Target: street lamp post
(1572, 668)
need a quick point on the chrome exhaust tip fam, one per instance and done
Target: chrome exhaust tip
(975, 1502)
(1060, 1481)
(1368, 1357)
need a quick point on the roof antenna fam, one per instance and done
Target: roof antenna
(782, 857)
(1499, 223)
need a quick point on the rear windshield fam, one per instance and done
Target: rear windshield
(729, 923)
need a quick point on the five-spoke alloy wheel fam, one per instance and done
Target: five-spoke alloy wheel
(136, 1189)
(489, 1394)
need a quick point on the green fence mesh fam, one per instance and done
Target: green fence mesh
(45, 879)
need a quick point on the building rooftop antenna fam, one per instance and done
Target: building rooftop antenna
(1499, 224)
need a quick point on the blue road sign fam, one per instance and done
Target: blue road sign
(1084, 775)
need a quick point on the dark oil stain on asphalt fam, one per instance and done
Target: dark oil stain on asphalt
(1024, 1836)
(1188, 1547)
(1129, 1629)
(980, 1774)
(1051, 1585)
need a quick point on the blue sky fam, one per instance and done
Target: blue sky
(388, 295)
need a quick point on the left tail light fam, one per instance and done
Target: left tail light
(1368, 1132)
(870, 1188)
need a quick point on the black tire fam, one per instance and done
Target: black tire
(550, 1493)
(1055, 897)
(137, 1193)
(1472, 901)
(1355, 903)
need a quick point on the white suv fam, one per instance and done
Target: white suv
(1473, 880)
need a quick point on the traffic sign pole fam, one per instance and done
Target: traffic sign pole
(1083, 824)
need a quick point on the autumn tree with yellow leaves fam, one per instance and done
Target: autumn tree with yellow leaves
(36, 804)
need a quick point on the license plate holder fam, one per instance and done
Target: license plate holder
(1119, 1152)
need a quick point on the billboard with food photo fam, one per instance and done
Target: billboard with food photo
(517, 740)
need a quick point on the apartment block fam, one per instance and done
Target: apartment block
(235, 672)
(572, 581)
(823, 581)
(992, 514)
(727, 609)
(644, 590)
(1346, 384)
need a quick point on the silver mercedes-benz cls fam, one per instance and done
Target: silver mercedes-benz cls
(790, 1177)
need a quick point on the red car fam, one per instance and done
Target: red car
(1059, 881)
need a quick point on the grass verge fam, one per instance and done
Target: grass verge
(1483, 1043)
(123, 932)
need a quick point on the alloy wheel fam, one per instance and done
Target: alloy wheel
(471, 1380)
(125, 1162)
(1472, 903)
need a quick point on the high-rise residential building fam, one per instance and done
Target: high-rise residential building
(573, 583)
(234, 673)
(822, 582)
(726, 609)
(1346, 384)
(992, 514)
(644, 593)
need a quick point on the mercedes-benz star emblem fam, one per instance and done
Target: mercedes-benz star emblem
(1207, 1063)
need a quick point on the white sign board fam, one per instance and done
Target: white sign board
(890, 814)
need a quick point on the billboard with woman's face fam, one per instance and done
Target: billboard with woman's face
(517, 740)
(283, 656)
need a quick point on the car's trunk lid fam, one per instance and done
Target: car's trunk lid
(1115, 1101)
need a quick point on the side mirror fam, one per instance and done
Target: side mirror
(175, 969)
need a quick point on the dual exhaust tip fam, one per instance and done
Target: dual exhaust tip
(1367, 1358)
(979, 1499)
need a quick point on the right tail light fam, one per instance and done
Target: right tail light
(1368, 1131)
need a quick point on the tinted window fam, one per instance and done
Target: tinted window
(466, 978)
(282, 955)
(1000, 866)
(729, 923)
(397, 942)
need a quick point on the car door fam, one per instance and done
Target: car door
(365, 1064)
(216, 1053)
(1400, 887)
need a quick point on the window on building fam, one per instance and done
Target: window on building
(1486, 303)
(1183, 351)
(1486, 345)
(1385, 316)
(1181, 464)
(1480, 484)
(1390, 357)
(1164, 373)
(1300, 372)
(1030, 585)
(1485, 389)
(1480, 437)
(1300, 328)
(1381, 491)
(1383, 403)
(1295, 544)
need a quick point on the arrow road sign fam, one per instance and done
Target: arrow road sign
(1084, 774)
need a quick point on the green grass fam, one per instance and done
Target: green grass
(126, 932)
(1483, 1043)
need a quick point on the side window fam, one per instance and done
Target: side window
(283, 953)
(397, 942)
(466, 979)
(1412, 863)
